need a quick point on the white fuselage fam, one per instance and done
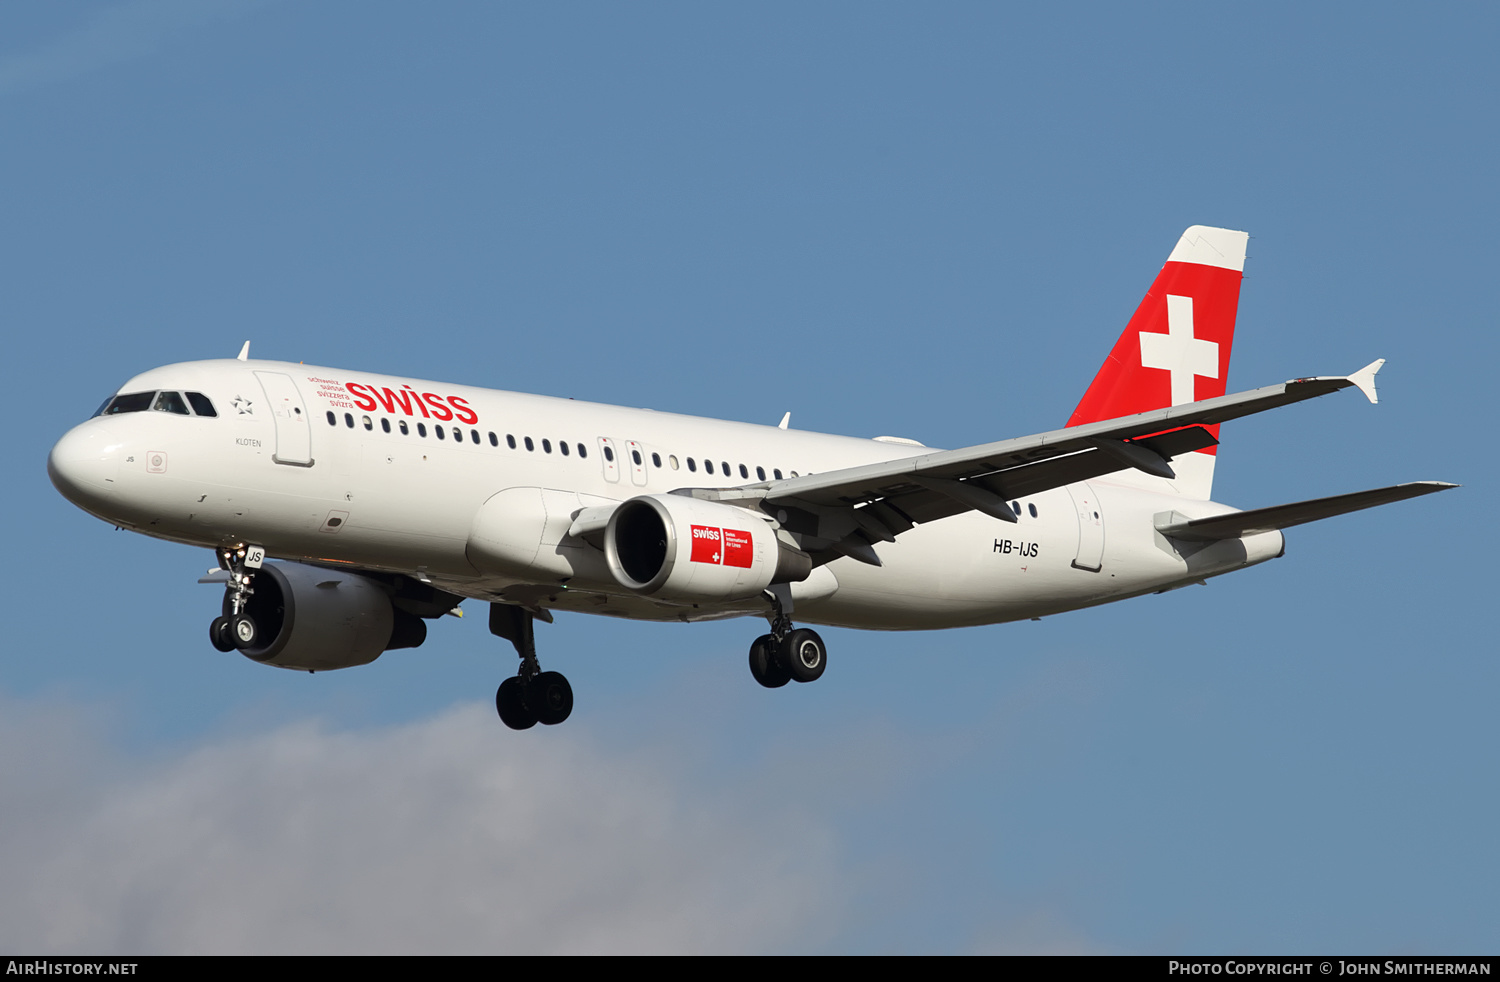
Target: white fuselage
(271, 468)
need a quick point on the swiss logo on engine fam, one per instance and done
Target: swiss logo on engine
(722, 547)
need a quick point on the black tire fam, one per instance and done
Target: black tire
(511, 704)
(765, 666)
(804, 655)
(550, 695)
(218, 634)
(243, 631)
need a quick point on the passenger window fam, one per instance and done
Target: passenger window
(201, 404)
(760, 473)
(171, 402)
(369, 423)
(794, 473)
(385, 424)
(437, 431)
(656, 460)
(421, 429)
(332, 419)
(582, 450)
(1032, 509)
(777, 473)
(609, 453)
(135, 402)
(529, 444)
(546, 446)
(725, 465)
(401, 424)
(744, 472)
(1015, 506)
(474, 435)
(635, 455)
(563, 446)
(458, 435)
(672, 459)
(494, 440)
(692, 466)
(510, 441)
(708, 466)
(349, 420)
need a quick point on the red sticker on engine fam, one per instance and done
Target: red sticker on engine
(739, 550)
(706, 545)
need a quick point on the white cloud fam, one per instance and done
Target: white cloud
(115, 34)
(447, 835)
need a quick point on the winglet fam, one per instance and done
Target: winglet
(244, 354)
(1364, 379)
(784, 420)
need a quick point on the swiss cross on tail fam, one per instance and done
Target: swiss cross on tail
(1176, 348)
(1181, 352)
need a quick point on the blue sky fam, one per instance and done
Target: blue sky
(930, 221)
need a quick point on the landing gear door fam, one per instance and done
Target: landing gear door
(610, 458)
(293, 431)
(1090, 528)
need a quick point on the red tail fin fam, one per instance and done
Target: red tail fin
(1176, 348)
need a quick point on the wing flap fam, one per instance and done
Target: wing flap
(1241, 523)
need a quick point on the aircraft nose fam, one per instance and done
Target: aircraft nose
(85, 463)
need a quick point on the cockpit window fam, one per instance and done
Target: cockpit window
(162, 402)
(201, 404)
(171, 402)
(134, 402)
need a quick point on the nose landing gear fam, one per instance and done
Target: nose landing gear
(531, 696)
(237, 630)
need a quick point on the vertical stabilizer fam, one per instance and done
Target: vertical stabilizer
(1176, 348)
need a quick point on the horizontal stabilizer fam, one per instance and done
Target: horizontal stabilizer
(1239, 523)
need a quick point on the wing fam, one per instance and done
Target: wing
(844, 512)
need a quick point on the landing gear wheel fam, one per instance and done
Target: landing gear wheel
(551, 696)
(804, 655)
(218, 634)
(512, 705)
(765, 666)
(243, 631)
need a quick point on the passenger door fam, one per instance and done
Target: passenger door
(293, 430)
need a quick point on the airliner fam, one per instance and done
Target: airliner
(388, 501)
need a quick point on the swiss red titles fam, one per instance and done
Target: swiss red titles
(411, 402)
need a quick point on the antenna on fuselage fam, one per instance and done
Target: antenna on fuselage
(781, 425)
(244, 354)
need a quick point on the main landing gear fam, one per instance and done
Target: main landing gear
(786, 654)
(237, 630)
(531, 696)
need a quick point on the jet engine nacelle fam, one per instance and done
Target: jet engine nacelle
(680, 548)
(315, 619)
